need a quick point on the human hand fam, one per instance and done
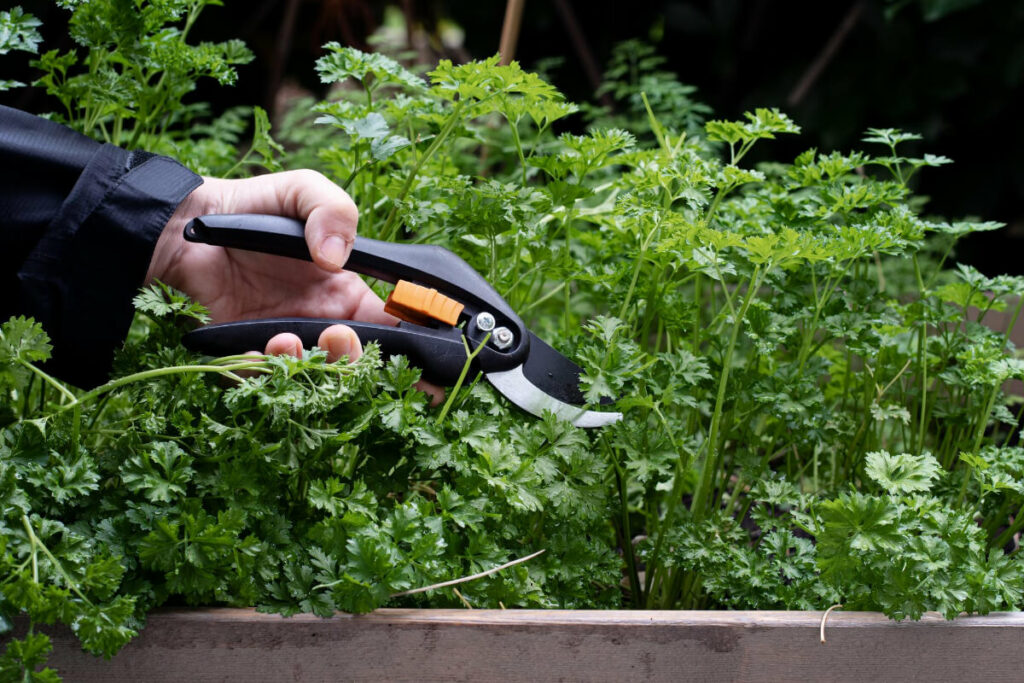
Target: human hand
(236, 284)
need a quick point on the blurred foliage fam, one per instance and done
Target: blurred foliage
(949, 70)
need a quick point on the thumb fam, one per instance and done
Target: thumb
(330, 214)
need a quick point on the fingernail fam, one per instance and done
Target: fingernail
(334, 249)
(339, 345)
(298, 350)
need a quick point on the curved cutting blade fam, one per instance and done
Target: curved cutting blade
(515, 387)
(548, 381)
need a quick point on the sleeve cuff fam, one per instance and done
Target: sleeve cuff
(100, 246)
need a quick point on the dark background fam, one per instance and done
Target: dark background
(950, 70)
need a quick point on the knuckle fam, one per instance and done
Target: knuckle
(309, 175)
(314, 176)
(352, 210)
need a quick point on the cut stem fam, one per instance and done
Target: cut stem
(470, 355)
(472, 577)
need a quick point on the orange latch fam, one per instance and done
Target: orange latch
(420, 305)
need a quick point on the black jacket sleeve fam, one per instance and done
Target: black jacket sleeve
(78, 224)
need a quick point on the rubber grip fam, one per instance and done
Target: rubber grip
(440, 354)
(423, 264)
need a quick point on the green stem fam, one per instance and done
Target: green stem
(1018, 524)
(819, 306)
(942, 262)
(25, 397)
(352, 176)
(627, 535)
(76, 428)
(369, 94)
(544, 297)
(994, 521)
(36, 543)
(922, 362)
(710, 461)
(442, 135)
(514, 125)
(638, 264)
(470, 355)
(49, 380)
(725, 289)
(345, 579)
(258, 364)
(674, 499)
(716, 201)
(983, 418)
(961, 499)
(1013, 320)
(238, 164)
(655, 125)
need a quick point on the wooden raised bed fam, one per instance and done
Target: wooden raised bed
(533, 645)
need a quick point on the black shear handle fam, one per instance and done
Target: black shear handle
(423, 264)
(442, 356)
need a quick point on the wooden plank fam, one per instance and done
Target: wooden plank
(552, 645)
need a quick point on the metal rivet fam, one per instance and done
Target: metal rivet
(503, 338)
(485, 321)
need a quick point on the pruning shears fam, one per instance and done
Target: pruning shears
(438, 297)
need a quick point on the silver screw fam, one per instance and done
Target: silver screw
(503, 338)
(485, 321)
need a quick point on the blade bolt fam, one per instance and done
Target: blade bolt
(503, 338)
(485, 321)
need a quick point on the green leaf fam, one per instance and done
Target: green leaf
(890, 411)
(21, 659)
(105, 629)
(18, 31)
(161, 300)
(761, 124)
(374, 128)
(371, 127)
(902, 473)
(965, 296)
(22, 339)
(889, 136)
(480, 82)
(262, 143)
(342, 63)
(855, 523)
(161, 472)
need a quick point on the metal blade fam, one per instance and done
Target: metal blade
(554, 374)
(525, 394)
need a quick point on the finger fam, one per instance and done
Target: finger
(284, 343)
(330, 214)
(434, 392)
(279, 345)
(340, 341)
(369, 307)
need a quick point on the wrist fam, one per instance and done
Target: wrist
(171, 245)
